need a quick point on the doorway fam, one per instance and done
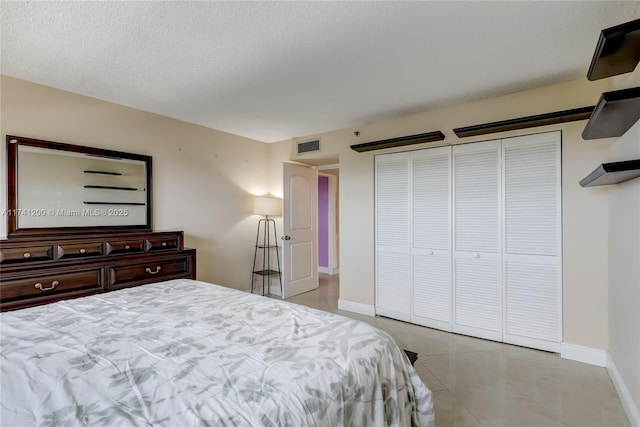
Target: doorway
(328, 220)
(296, 262)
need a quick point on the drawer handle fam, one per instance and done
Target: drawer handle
(83, 250)
(153, 272)
(477, 256)
(27, 255)
(164, 243)
(127, 247)
(53, 285)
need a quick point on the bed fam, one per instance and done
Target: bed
(189, 353)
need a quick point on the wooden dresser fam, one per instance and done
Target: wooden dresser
(36, 271)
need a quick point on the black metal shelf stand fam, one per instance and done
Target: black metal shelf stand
(262, 267)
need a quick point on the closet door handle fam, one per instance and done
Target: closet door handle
(148, 270)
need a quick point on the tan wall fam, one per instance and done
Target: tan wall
(203, 179)
(624, 264)
(585, 239)
(203, 182)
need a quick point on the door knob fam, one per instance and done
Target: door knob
(286, 237)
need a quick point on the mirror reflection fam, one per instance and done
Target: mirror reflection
(62, 189)
(58, 186)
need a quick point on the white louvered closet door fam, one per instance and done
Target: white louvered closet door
(477, 239)
(393, 267)
(431, 253)
(532, 241)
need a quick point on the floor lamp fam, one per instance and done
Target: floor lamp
(267, 207)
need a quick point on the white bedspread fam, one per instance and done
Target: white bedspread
(187, 353)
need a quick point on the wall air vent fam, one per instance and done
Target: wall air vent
(308, 146)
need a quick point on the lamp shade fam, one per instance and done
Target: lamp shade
(267, 206)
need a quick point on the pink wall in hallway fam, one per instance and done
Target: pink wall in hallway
(323, 221)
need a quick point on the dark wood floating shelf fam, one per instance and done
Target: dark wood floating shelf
(612, 173)
(563, 116)
(107, 187)
(104, 172)
(615, 113)
(399, 142)
(617, 51)
(114, 203)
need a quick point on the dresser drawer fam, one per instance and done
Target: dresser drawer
(158, 244)
(49, 283)
(77, 250)
(125, 246)
(26, 254)
(148, 272)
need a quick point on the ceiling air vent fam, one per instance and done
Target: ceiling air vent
(309, 146)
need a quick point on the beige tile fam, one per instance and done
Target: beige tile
(478, 382)
(502, 405)
(432, 342)
(467, 369)
(427, 376)
(450, 412)
(531, 366)
(357, 316)
(576, 403)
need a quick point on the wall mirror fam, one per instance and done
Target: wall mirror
(56, 188)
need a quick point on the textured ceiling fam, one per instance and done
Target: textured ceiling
(276, 70)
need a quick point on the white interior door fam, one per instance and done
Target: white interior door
(532, 241)
(393, 258)
(431, 224)
(300, 222)
(477, 266)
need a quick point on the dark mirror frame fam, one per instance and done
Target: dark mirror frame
(13, 142)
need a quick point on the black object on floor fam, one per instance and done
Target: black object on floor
(412, 356)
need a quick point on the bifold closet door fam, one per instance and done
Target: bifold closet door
(477, 265)
(430, 249)
(532, 241)
(468, 239)
(393, 266)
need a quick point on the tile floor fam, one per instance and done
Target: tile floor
(483, 383)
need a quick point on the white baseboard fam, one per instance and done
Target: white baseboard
(357, 307)
(327, 270)
(630, 407)
(594, 356)
(275, 290)
(579, 353)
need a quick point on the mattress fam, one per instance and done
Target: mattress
(189, 353)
